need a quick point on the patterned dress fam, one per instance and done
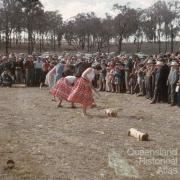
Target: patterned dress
(63, 87)
(82, 92)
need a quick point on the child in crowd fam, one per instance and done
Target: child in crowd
(117, 78)
(111, 77)
(6, 79)
(108, 82)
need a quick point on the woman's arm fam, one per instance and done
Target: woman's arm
(94, 89)
(87, 71)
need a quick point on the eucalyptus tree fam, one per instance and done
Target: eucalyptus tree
(125, 23)
(172, 21)
(11, 16)
(159, 9)
(69, 33)
(139, 34)
(31, 9)
(108, 29)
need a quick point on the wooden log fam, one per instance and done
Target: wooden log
(18, 85)
(111, 112)
(141, 136)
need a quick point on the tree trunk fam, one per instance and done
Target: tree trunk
(88, 43)
(159, 38)
(29, 41)
(0, 40)
(54, 43)
(108, 45)
(59, 40)
(120, 44)
(42, 41)
(172, 40)
(83, 43)
(7, 35)
(166, 44)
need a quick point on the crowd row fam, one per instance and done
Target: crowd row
(156, 77)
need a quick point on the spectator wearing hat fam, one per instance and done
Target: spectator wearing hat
(44, 72)
(38, 70)
(172, 81)
(150, 79)
(19, 70)
(102, 77)
(6, 78)
(108, 81)
(29, 69)
(128, 70)
(141, 79)
(164, 76)
(158, 82)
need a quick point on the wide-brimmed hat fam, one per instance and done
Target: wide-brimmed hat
(149, 61)
(4, 57)
(174, 63)
(159, 63)
(30, 56)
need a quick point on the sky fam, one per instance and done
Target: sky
(70, 8)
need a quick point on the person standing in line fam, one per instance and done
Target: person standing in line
(29, 69)
(38, 70)
(172, 82)
(158, 83)
(44, 72)
(19, 70)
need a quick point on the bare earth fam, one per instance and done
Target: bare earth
(50, 143)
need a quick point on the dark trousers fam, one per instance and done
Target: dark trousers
(38, 73)
(18, 76)
(157, 93)
(171, 93)
(149, 87)
(29, 77)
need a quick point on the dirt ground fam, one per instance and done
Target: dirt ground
(46, 142)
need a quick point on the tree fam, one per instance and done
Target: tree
(125, 23)
(31, 9)
(11, 16)
(108, 30)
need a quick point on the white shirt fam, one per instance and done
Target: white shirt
(90, 76)
(71, 79)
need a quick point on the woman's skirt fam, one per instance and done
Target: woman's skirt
(82, 93)
(62, 89)
(178, 98)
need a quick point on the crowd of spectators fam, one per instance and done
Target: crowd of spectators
(156, 77)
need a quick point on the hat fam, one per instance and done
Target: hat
(159, 63)
(4, 57)
(149, 61)
(174, 63)
(60, 57)
(95, 64)
(30, 56)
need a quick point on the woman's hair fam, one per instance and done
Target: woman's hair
(67, 72)
(97, 67)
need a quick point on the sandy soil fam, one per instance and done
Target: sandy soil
(50, 143)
